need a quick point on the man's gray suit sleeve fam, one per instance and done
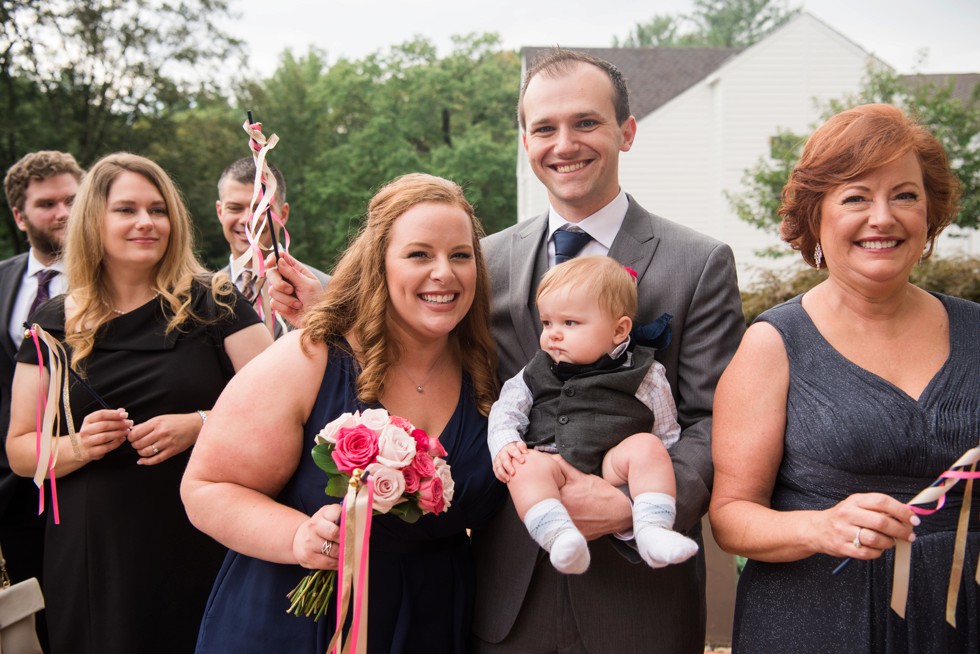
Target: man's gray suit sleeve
(712, 332)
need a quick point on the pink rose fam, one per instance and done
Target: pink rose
(430, 496)
(389, 486)
(329, 433)
(375, 419)
(401, 423)
(411, 479)
(422, 464)
(356, 448)
(448, 483)
(421, 440)
(396, 448)
(435, 447)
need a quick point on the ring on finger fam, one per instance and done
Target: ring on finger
(155, 449)
(326, 547)
(857, 538)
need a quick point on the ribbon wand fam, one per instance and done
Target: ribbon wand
(262, 215)
(259, 146)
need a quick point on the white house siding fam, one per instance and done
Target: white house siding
(699, 145)
(691, 150)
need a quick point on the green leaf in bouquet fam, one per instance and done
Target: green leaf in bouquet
(323, 460)
(337, 485)
(407, 511)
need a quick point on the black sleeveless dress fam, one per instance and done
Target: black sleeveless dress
(421, 584)
(849, 431)
(125, 571)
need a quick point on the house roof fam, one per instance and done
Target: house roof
(654, 76)
(963, 87)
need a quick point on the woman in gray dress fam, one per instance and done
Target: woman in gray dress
(843, 403)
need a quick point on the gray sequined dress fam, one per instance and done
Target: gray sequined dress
(850, 431)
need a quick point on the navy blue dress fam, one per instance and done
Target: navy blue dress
(850, 431)
(421, 584)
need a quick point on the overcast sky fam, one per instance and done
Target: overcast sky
(893, 30)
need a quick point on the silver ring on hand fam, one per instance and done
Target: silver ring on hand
(155, 450)
(326, 548)
(857, 539)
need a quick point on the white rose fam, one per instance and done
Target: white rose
(448, 485)
(375, 419)
(329, 433)
(389, 486)
(396, 449)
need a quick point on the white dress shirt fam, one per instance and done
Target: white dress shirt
(602, 226)
(28, 291)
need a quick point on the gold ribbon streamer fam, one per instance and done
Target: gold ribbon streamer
(959, 553)
(903, 549)
(356, 507)
(58, 383)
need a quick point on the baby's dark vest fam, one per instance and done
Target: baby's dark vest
(588, 414)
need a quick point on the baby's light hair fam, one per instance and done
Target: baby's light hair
(606, 280)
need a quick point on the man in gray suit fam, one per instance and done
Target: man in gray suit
(575, 121)
(235, 187)
(40, 189)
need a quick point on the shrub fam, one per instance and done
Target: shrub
(959, 276)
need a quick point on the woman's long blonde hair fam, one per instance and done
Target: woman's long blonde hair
(356, 300)
(84, 255)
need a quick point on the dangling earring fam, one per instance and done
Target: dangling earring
(818, 255)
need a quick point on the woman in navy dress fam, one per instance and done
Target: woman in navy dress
(403, 326)
(843, 403)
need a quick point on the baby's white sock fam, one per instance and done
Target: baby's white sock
(653, 521)
(551, 527)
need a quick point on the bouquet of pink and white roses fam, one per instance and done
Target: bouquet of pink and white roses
(409, 475)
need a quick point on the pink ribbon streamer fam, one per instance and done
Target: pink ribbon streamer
(352, 564)
(52, 450)
(903, 549)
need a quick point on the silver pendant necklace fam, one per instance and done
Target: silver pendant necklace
(420, 388)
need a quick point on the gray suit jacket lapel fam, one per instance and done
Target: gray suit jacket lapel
(525, 249)
(9, 289)
(636, 243)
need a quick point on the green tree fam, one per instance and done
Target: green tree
(78, 76)
(659, 31)
(712, 24)
(956, 123)
(401, 110)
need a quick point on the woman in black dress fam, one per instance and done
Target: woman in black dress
(154, 334)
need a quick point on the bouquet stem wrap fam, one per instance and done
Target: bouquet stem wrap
(355, 535)
(964, 468)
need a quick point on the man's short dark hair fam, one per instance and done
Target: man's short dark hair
(37, 166)
(557, 62)
(243, 172)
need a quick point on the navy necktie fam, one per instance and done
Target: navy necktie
(568, 244)
(43, 290)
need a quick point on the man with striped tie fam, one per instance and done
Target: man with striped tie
(235, 187)
(40, 189)
(575, 122)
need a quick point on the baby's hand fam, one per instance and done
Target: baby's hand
(504, 465)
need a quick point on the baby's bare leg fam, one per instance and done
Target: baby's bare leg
(538, 478)
(641, 462)
(534, 489)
